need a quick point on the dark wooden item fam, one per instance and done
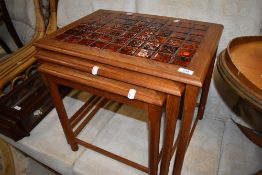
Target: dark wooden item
(24, 107)
(240, 66)
(4, 16)
(142, 52)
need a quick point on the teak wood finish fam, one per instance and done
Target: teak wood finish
(245, 80)
(240, 66)
(156, 83)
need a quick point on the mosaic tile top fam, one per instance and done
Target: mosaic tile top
(165, 40)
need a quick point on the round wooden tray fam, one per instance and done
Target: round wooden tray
(241, 66)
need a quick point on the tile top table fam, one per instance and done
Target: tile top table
(154, 45)
(159, 53)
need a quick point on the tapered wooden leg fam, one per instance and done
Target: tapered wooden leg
(188, 112)
(154, 120)
(57, 100)
(172, 109)
(205, 89)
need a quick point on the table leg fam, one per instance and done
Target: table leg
(172, 109)
(154, 120)
(57, 100)
(188, 112)
(205, 89)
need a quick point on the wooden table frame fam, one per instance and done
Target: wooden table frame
(154, 118)
(82, 58)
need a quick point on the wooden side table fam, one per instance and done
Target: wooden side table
(159, 57)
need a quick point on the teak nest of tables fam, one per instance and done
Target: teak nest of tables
(143, 60)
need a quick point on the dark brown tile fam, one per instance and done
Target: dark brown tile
(136, 43)
(103, 30)
(72, 32)
(85, 34)
(113, 47)
(109, 26)
(128, 50)
(164, 33)
(128, 34)
(179, 35)
(86, 42)
(93, 36)
(98, 44)
(121, 41)
(136, 29)
(90, 28)
(158, 39)
(182, 61)
(175, 42)
(116, 32)
(162, 57)
(142, 24)
(105, 38)
(167, 48)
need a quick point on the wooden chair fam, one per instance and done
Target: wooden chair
(19, 61)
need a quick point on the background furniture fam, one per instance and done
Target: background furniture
(240, 66)
(17, 62)
(4, 16)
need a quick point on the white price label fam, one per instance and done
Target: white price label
(95, 70)
(131, 94)
(185, 71)
(18, 108)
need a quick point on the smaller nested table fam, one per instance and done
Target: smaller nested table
(138, 59)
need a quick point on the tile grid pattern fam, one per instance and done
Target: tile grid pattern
(168, 41)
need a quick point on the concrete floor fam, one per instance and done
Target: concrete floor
(217, 146)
